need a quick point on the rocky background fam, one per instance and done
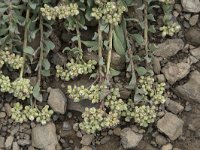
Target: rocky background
(178, 126)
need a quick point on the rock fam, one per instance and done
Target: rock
(193, 20)
(125, 93)
(193, 36)
(143, 145)
(192, 6)
(9, 142)
(161, 78)
(174, 107)
(161, 140)
(117, 62)
(86, 148)
(169, 48)
(57, 101)
(156, 65)
(2, 142)
(167, 147)
(190, 90)
(15, 146)
(175, 72)
(43, 136)
(105, 140)
(130, 139)
(117, 131)
(8, 109)
(87, 139)
(23, 142)
(59, 59)
(31, 148)
(66, 126)
(171, 125)
(2, 115)
(196, 53)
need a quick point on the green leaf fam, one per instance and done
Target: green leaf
(138, 38)
(141, 71)
(90, 43)
(29, 50)
(152, 29)
(36, 92)
(46, 64)
(151, 17)
(114, 72)
(32, 5)
(49, 45)
(120, 34)
(101, 61)
(46, 73)
(118, 45)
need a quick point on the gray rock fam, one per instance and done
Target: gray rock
(193, 36)
(118, 62)
(171, 125)
(175, 72)
(190, 90)
(167, 147)
(156, 65)
(86, 148)
(192, 6)
(161, 78)
(130, 139)
(87, 139)
(31, 148)
(43, 136)
(196, 53)
(23, 142)
(169, 48)
(15, 146)
(194, 19)
(59, 59)
(57, 101)
(174, 107)
(105, 140)
(161, 140)
(66, 126)
(8, 109)
(2, 115)
(9, 142)
(2, 142)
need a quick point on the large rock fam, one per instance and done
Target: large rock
(44, 136)
(130, 139)
(175, 72)
(169, 48)
(2, 142)
(87, 139)
(57, 101)
(191, 5)
(193, 36)
(9, 142)
(174, 107)
(171, 125)
(196, 52)
(191, 89)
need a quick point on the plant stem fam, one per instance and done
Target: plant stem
(109, 51)
(25, 41)
(41, 50)
(146, 28)
(100, 46)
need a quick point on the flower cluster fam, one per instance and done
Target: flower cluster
(113, 101)
(129, 113)
(21, 88)
(5, 83)
(81, 93)
(167, 1)
(144, 115)
(17, 113)
(15, 61)
(20, 114)
(152, 90)
(74, 69)
(61, 12)
(170, 29)
(97, 119)
(110, 12)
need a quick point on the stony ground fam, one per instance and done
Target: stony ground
(177, 61)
